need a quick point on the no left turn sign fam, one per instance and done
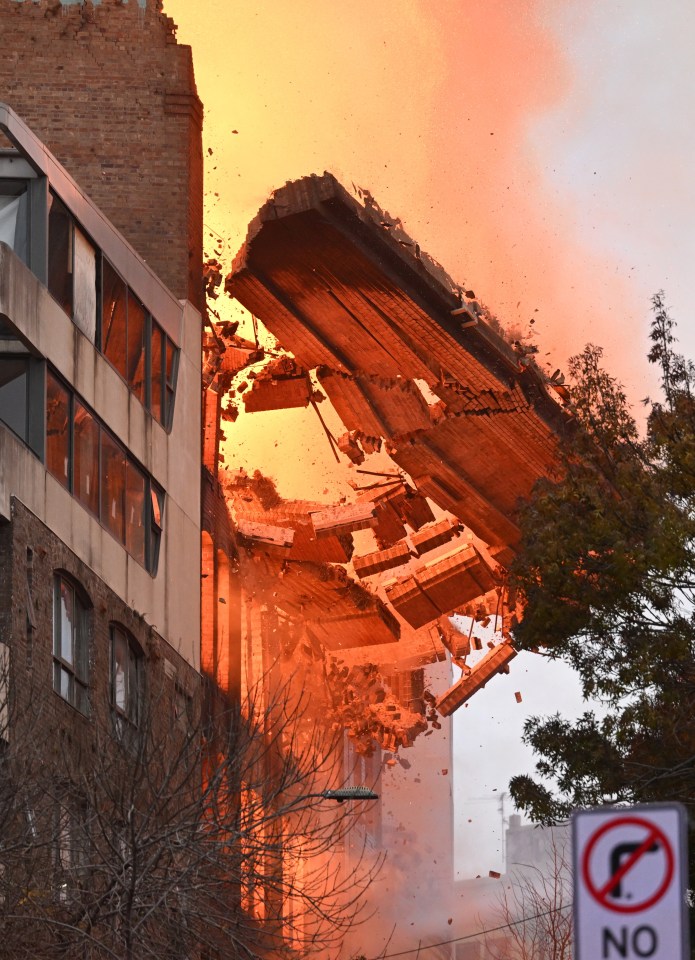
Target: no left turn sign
(625, 853)
(630, 869)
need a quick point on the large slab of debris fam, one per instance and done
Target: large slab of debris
(441, 586)
(346, 291)
(415, 367)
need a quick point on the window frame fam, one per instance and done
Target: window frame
(182, 706)
(18, 189)
(167, 373)
(71, 844)
(126, 717)
(23, 361)
(76, 669)
(54, 203)
(154, 500)
(32, 428)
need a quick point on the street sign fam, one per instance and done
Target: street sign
(630, 876)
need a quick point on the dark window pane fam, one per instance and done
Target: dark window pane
(70, 644)
(119, 688)
(81, 642)
(136, 347)
(124, 675)
(86, 458)
(13, 216)
(114, 300)
(135, 513)
(172, 362)
(157, 506)
(112, 486)
(157, 403)
(60, 254)
(14, 385)
(156, 524)
(57, 430)
(81, 700)
(65, 684)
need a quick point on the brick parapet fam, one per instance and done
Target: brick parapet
(112, 94)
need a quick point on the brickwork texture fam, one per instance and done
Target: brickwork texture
(30, 556)
(112, 94)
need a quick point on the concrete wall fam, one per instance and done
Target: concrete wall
(113, 96)
(170, 602)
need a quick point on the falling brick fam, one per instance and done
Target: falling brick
(380, 560)
(348, 445)
(416, 510)
(344, 518)
(411, 603)
(441, 586)
(457, 643)
(435, 535)
(388, 501)
(495, 661)
(518, 697)
(277, 540)
(494, 874)
(277, 394)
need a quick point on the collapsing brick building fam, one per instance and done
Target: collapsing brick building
(416, 367)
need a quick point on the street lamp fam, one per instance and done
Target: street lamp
(340, 795)
(349, 793)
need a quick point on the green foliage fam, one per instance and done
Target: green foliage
(606, 576)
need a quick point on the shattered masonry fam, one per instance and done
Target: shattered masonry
(495, 661)
(415, 367)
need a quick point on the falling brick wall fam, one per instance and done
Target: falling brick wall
(113, 96)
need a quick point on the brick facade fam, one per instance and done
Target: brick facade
(30, 556)
(113, 96)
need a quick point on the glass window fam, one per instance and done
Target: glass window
(70, 845)
(13, 216)
(135, 512)
(172, 363)
(14, 393)
(156, 525)
(86, 458)
(98, 471)
(60, 254)
(125, 675)
(114, 308)
(85, 287)
(70, 644)
(136, 373)
(57, 430)
(112, 486)
(183, 708)
(157, 368)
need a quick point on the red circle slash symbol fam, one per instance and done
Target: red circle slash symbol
(652, 840)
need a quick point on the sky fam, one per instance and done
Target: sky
(541, 150)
